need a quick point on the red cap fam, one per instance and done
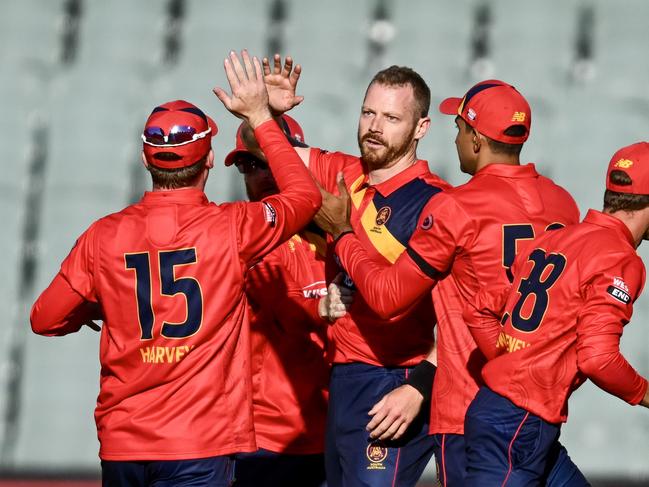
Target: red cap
(179, 112)
(290, 127)
(491, 107)
(634, 161)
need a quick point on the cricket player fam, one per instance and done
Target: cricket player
(167, 275)
(465, 239)
(558, 324)
(290, 368)
(390, 187)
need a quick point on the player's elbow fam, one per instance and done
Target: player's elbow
(592, 365)
(387, 311)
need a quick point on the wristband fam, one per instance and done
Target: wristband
(422, 377)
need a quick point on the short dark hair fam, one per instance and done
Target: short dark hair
(614, 201)
(402, 76)
(175, 178)
(508, 149)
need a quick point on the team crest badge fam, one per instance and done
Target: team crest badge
(376, 454)
(383, 215)
(427, 223)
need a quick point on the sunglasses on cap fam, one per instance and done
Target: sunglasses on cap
(247, 163)
(178, 135)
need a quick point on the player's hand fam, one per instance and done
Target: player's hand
(281, 83)
(249, 99)
(392, 415)
(338, 300)
(333, 215)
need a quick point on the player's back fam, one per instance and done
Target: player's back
(174, 351)
(556, 277)
(490, 218)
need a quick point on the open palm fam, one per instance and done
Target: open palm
(281, 83)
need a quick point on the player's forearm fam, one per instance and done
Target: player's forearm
(387, 289)
(484, 331)
(299, 197)
(482, 316)
(60, 310)
(613, 373)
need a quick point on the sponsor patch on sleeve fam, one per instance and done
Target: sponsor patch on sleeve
(270, 214)
(619, 290)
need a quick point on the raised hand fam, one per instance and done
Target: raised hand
(281, 83)
(249, 99)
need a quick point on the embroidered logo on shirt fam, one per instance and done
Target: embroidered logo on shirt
(270, 214)
(427, 223)
(376, 454)
(383, 215)
(619, 290)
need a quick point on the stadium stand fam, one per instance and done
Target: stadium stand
(80, 76)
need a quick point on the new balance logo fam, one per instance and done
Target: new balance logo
(518, 117)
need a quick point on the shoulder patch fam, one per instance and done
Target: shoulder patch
(427, 223)
(619, 290)
(270, 214)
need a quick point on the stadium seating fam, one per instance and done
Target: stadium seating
(85, 117)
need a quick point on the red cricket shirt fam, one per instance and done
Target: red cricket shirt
(563, 318)
(290, 369)
(384, 217)
(167, 276)
(466, 238)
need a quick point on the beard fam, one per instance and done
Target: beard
(386, 156)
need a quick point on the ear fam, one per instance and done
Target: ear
(144, 161)
(423, 124)
(476, 140)
(210, 160)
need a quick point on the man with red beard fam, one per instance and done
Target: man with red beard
(389, 187)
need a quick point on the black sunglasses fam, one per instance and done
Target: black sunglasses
(247, 163)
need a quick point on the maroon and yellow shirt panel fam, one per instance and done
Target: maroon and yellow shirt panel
(468, 237)
(572, 295)
(384, 217)
(290, 368)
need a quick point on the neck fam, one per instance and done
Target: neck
(199, 183)
(636, 221)
(490, 158)
(377, 176)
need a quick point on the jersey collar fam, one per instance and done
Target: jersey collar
(509, 171)
(419, 168)
(601, 219)
(186, 196)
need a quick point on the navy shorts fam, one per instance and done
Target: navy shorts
(201, 472)
(351, 458)
(507, 445)
(270, 469)
(450, 459)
